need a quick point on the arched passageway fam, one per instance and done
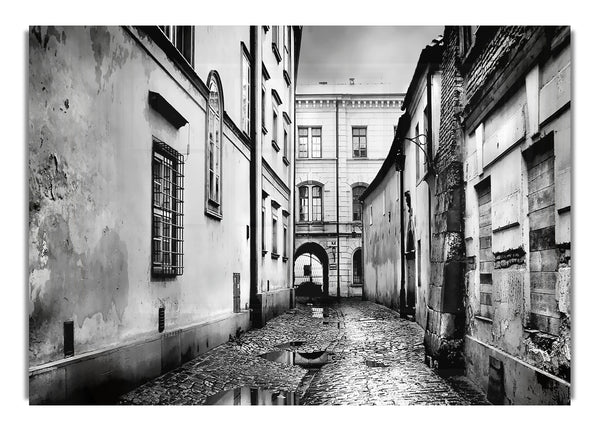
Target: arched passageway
(311, 270)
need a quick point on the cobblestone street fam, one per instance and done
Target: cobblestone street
(375, 358)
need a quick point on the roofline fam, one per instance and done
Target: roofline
(430, 55)
(390, 160)
(300, 95)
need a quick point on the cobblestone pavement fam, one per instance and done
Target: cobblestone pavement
(376, 358)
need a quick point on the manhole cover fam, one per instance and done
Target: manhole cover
(248, 396)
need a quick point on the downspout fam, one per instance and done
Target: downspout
(337, 194)
(429, 151)
(255, 187)
(402, 255)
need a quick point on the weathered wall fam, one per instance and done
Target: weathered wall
(522, 146)
(90, 149)
(444, 328)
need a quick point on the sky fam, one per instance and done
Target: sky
(371, 55)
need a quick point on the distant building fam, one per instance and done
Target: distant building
(149, 167)
(343, 133)
(480, 245)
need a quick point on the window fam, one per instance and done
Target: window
(264, 228)
(316, 142)
(357, 273)
(303, 203)
(306, 135)
(182, 37)
(276, 43)
(356, 207)
(317, 203)
(275, 121)
(286, 137)
(383, 201)
(245, 93)
(274, 232)
(214, 128)
(370, 214)
(263, 107)
(419, 263)
(167, 210)
(285, 236)
(486, 258)
(287, 37)
(302, 142)
(285, 143)
(359, 142)
(467, 37)
(417, 155)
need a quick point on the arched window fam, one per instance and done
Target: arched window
(214, 128)
(317, 203)
(356, 207)
(303, 203)
(357, 271)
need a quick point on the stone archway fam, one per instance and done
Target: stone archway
(319, 252)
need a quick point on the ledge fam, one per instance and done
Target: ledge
(285, 258)
(274, 144)
(213, 214)
(287, 78)
(264, 130)
(264, 252)
(274, 256)
(286, 161)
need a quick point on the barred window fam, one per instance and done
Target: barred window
(167, 210)
(359, 142)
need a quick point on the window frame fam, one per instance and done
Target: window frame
(357, 265)
(214, 195)
(246, 73)
(171, 33)
(358, 148)
(318, 198)
(356, 202)
(309, 142)
(274, 231)
(301, 213)
(161, 153)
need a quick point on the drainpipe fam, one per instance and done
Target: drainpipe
(429, 150)
(255, 172)
(402, 256)
(337, 193)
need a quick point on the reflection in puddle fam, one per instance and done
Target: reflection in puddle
(375, 364)
(302, 359)
(290, 344)
(246, 396)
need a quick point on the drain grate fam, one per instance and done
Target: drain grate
(375, 364)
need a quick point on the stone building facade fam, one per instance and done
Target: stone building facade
(144, 159)
(343, 134)
(517, 174)
(497, 302)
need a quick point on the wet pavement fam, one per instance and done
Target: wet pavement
(355, 352)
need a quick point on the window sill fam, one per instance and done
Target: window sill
(266, 28)
(274, 256)
(286, 161)
(264, 252)
(276, 52)
(274, 144)
(213, 213)
(483, 319)
(264, 130)
(285, 258)
(287, 78)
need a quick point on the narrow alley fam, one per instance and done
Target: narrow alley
(373, 357)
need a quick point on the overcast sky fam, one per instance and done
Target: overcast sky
(369, 54)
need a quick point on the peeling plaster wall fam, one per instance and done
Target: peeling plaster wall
(90, 148)
(535, 358)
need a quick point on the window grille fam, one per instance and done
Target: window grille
(167, 211)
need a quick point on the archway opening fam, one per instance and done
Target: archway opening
(311, 271)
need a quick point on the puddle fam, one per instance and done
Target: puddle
(302, 359)
(375, 364)
(247, 396)
(290, 344)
